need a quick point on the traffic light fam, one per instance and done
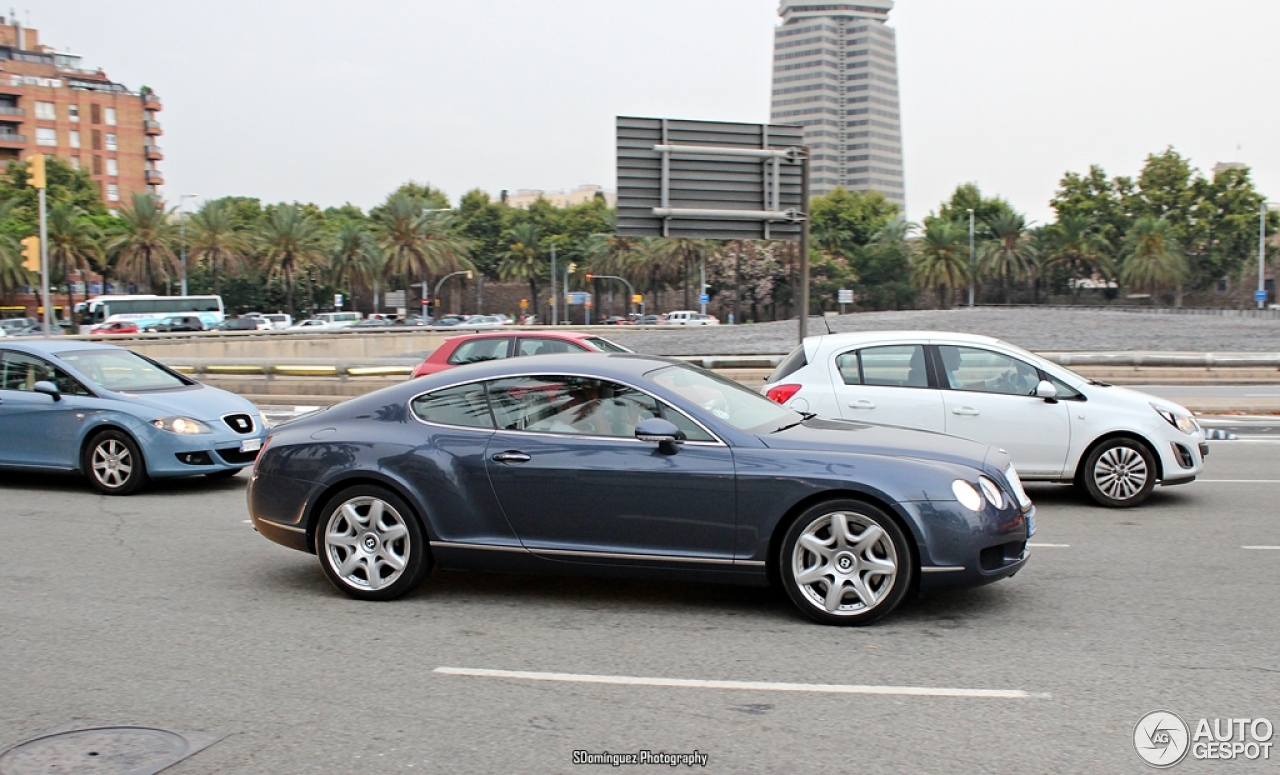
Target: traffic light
(31, 254)
(588, 277)
(36, 171)
(637, 299)
(573, 267)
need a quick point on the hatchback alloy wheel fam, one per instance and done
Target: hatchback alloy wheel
(1120, 473)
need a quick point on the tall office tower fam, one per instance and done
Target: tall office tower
(50, 104)
(835, 72)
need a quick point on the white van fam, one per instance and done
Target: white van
(688, 318)
(338, 319)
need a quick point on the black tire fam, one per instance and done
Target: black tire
(225, 473)
(850, 581)
(359, 555)
(1119, 473)
(113, 464)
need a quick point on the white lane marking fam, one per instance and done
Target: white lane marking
(247, 521)
(1050, 546)
(1239, 481)
(1271, 548)
(756, 686)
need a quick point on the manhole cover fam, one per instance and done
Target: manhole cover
(102, 750)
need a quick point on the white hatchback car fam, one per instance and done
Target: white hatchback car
(1056, 425)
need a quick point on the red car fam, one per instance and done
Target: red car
(117, 327)
(473, 348)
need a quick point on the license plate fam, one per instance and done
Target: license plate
(251, 445)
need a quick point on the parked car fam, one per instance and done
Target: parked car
(484, 321)
(628, 465)
(474, 348)
(115, 327)
(649, 320)
(1057, 425)
(17, 325)
(277, 320)
(37, 329)
(337, 320)
(177, 323)
(689, 318)
(243, 324)
(117, 417)
(449, 320)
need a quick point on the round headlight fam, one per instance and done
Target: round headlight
(992, 491)
(967, 494)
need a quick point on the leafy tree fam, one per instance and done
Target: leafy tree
(355, 260)
(63, 185)
(13, 274)
(291, 241)
(522, 259)
(480, 222)
(883, 268)
(417, 243)
(986, 210)
(1076, 242)
(1152, 256)
(941, 260)
(844, 221)
(143, 245)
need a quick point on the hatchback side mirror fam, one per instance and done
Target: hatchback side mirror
(48, 388)
(1047, 391)
(664, 432)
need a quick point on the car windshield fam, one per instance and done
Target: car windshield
(121, 370)
(740, 407)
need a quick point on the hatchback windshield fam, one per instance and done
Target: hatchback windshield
(731, 402)
(121, 370)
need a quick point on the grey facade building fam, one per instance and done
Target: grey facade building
(835, 72)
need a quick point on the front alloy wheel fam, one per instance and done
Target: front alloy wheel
(845, 563)
(114, 464)
(371, 545)
(1120, 473)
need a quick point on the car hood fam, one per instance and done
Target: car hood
(199, 402)
(882, 440)
(1127, 397)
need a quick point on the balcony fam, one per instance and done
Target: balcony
(5, 110)
(154, 153)
(154, 177)
(152, 127)
(11, 85)
(151, 101)
(10, 140)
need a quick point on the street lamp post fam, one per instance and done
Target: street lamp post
(971, 266)
(1262, 256)
(182, 228)
(436, 295)
(630, 290)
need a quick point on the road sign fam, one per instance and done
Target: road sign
(577, 298)
(1259, 295)
(845, 296)
(524, 304)
(637, 299)
(709, 179)
(395, 299)
(337, 300)
(704, 299)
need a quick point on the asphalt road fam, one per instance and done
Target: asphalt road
(165, 609)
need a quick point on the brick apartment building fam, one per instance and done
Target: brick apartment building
(50, 105)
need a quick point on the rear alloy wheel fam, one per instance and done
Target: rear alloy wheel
(114, 464)
(1120, 473)
(845, 563)
(371, 545)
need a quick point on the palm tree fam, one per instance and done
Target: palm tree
(75, 245)
(291, 241)
(941, 260)
(13, 274)
(1076, 242)
(355, 259)
(217, 240)
(522, 259)
(143, 243)
(1152, 256)
(418, 243)
(1008, 254)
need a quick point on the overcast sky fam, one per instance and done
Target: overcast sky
(334, 102)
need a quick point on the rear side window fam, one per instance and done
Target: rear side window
(463, 405)
(795, 361)
(477, 350)
(895, 366)
(545, 346)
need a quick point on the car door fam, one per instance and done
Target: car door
(36, 430)
(990, 397)
(887, 384)
(576, 485)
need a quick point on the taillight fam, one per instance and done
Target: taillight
(782, 393)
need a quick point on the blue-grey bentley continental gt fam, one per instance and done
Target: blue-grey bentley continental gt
(117, 417)
(629, 465)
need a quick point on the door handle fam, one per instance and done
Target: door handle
(511, 457)
(965, 411)
(863, 404)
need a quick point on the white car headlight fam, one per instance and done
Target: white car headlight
(992, 491)
(1183, 422)
(967, 494)
(183, 426)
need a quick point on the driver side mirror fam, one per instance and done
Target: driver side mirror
(1047, 391)
(664, 432)
(48, 388)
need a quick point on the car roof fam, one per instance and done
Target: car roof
(57, 345)
(571, 335)
(605, 365)
(858, 337)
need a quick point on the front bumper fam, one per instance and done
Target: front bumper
(968, 549)
(169, 454)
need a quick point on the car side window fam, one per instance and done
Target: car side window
(984, 371)
(462, 405)
(477, 350)
(19, 371)
(692, 431)
(544, 346)
(890, 366)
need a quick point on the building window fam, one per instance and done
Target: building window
(45, 111)
(111, 142)
(111, 117)
(73, 138)
(75, 162)
(113, 167)
(73, 113)
(97, 139)
(46, 136)
(97, 165)
(113, 192)
(95, 114)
